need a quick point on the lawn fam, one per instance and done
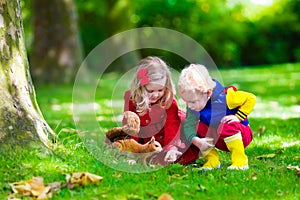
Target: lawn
(275, 148)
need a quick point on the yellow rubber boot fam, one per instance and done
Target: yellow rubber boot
(236, 147)
(212, 159)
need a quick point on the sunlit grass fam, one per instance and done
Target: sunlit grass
(275, 146)
(276, 83)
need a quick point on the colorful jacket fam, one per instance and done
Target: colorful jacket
(163, 124)
(224, 101)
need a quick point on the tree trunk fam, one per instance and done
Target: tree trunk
(117, 20)
(56, 53)
(21, 121)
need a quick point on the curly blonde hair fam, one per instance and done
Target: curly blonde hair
(195, 78)
(158, 73)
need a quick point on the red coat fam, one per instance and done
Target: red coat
(163, 124)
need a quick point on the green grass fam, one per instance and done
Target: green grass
(276, 145)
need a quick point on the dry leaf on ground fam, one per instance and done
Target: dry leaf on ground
(165, 196)
(82, 178)
(272, 155)
(297, 168)
(293, 167)
(34, 188)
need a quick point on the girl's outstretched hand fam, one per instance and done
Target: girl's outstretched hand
(172, 156)
(203, 143)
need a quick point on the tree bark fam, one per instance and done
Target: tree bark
(21, 121)
(57, 51)
(117, 20)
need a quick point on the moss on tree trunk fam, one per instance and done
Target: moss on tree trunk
(21, 121)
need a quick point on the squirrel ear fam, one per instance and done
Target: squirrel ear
(152, 139)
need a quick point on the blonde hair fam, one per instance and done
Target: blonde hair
(157, 73)
(195, 78)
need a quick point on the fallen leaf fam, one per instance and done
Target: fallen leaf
(254, 176)
(178, 176)
(297, 168)
(165, 196)
(34, 188)
(21, 188)
(201, 188)
(37, 185)
(82, 178)
(55, 186)
(260, 130)
(45, 194)
(272, 155)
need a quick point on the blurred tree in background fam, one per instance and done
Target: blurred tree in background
(233, 32)
(275, 36)
(56, 49)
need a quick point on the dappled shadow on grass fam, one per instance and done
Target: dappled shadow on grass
(276, 136)
(266, 178)
(279, 83)
(93, 141)
(288, 129)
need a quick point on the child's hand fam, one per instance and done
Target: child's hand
(203, 143)
(229, 119)
(172, 156)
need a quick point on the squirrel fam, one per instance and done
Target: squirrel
(139, 151)
(119, 137)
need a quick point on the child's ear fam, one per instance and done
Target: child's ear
(209, 92)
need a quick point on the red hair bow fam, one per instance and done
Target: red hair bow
(143, 75)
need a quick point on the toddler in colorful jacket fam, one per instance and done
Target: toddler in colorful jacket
(216, 118)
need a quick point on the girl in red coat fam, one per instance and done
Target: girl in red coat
(152, 97)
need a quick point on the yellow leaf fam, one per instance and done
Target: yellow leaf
(297, 168)
(46, 193)
(33, 188)
(55, 186)
(165, 196)
(82, 178)
(37, 185)
(21, 188)
(272, 155)
(254, 176)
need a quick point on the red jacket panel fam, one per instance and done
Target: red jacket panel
(163, 124)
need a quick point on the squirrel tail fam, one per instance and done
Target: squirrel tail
(131, 127)
(115, 134)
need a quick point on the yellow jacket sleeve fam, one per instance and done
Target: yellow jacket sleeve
(244, 101)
